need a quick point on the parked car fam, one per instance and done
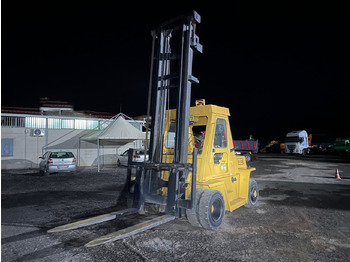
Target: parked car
(53, 162)
(139, 156)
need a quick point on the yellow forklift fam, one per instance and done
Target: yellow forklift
(192, 168)
(223, 179)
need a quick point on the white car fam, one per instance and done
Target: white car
(54, 162)
(139, 156)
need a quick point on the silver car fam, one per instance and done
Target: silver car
(139, 156)
(53, 162)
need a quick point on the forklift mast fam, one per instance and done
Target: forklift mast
(171, 77)
(156, 181)
(173, 46)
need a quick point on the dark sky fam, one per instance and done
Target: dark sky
(277, 67)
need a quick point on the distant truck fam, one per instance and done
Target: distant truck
(342, 145)
(246, 148)
(297, 142)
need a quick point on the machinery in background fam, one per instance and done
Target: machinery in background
(342, 146)
(297, 142)
(247, 148)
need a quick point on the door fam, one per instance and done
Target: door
(124, 158)
(220, 152)
(222, 166)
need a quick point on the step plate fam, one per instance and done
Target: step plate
(94, 220)
(129, 231)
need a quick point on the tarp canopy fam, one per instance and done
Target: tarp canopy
(119, 132)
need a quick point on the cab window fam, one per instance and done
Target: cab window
(199, 136)
(220, 139)
(170, 140)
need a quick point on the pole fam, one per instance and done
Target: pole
(149, 95)
(98, 155)
(47, 134)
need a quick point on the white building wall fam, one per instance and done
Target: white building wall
(27, 149)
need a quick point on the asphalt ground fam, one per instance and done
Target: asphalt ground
(303, 215)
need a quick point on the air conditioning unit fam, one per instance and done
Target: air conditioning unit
(37, 132)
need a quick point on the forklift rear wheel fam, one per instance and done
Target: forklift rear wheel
(253, 194)
(248, 157)
(211, 209)
(192, 214)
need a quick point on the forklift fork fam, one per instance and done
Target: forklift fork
(174, 204)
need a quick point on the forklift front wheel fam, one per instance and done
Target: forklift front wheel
(192, 214)
(211, 209)
(253, 194)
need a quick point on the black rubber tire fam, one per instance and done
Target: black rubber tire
(253, 194)
(192, 214)
(248, 157)
(211, 209)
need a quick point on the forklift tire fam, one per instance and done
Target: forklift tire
(248, 157)
(192, 214)
(253, 194)
(211, 209)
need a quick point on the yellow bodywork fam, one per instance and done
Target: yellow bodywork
(218, 167)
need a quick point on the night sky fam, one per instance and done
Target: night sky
(277, 67)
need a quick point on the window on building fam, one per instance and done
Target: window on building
(12, 121)
(80, 124)
(6, 146)
(54, 123)
(91, 124)
(35, 122)
(67, 123)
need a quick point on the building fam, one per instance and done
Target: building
(27, 133)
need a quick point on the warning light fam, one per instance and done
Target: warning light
(200, 102)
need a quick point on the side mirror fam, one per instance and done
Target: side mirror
(41, 157)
